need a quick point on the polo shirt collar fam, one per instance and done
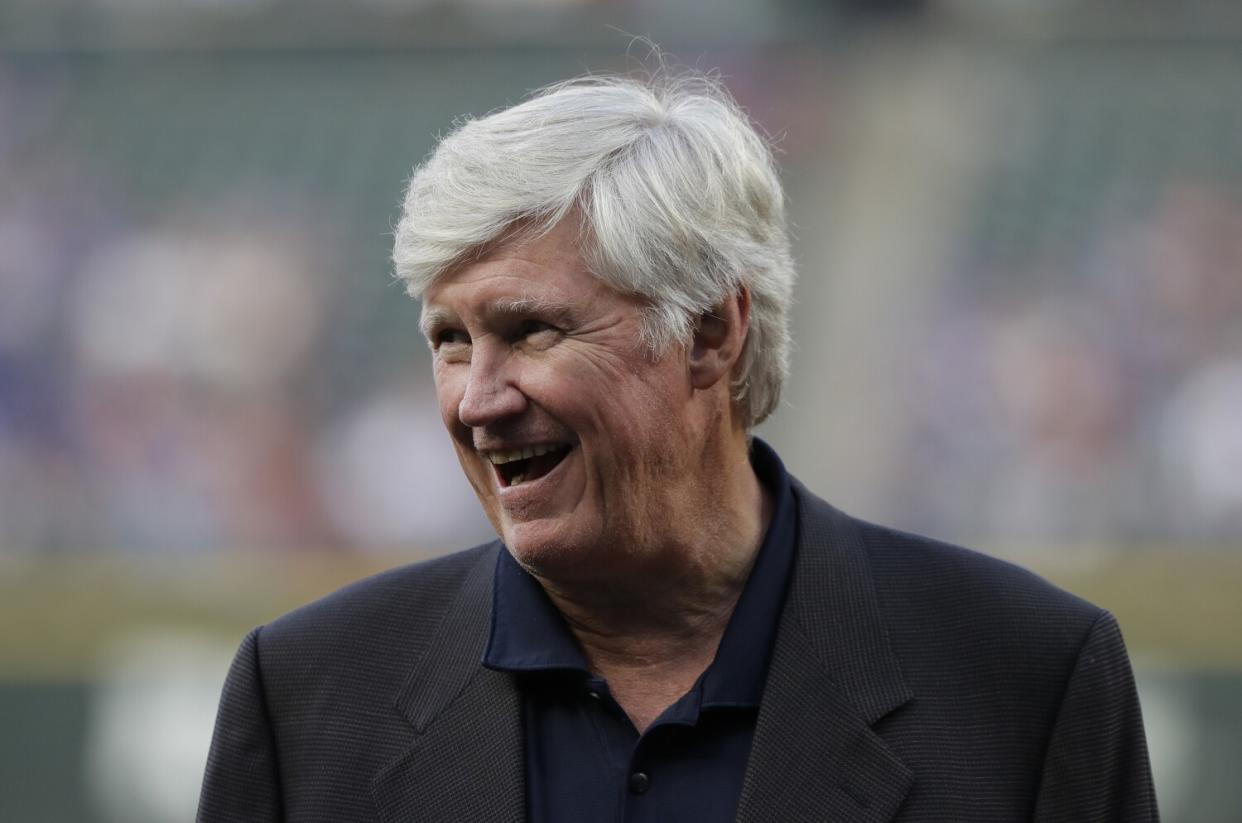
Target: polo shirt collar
(528, 632)
(736, 676)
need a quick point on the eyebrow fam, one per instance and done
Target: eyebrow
(524, 306)
(433, 318)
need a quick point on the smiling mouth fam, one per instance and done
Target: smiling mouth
(518, 466)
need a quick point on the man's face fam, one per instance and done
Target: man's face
(578, 443)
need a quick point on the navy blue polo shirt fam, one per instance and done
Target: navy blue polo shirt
(584, 758)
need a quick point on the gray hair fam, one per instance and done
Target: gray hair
(678, 195)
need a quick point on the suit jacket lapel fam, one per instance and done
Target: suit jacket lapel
(831, 677)
(467, 762)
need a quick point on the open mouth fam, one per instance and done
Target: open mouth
(519, 466)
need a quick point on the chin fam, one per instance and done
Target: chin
(546, 549)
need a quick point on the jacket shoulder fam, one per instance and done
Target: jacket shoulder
(925, 570)
(969, 586)
(942, 602)
(385, 620)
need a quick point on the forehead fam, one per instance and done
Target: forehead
(544, 273)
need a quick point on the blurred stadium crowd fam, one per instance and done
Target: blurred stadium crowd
(188, 366)
(1099, 401)
(200, 347)
(1019, 228)
(162, 390)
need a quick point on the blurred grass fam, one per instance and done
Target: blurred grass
(1182, 606)
(59, 613)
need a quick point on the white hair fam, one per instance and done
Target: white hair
(678, 195)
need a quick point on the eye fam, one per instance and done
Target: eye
(533, 327)
(450, 337)
(538, 334)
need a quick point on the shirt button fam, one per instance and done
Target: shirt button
(593, 695)
(639, 783)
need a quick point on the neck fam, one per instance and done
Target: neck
(652, 630)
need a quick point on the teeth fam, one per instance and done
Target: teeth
(517, 478)
(501, 457)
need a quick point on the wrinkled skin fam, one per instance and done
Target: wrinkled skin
(530, 349)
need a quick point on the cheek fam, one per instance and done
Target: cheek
(658, 437)
(476, 472)
(448, 397)
(650, 404)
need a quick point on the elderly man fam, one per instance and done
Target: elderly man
(670, 626)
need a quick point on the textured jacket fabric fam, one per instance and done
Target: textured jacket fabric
(910, 681)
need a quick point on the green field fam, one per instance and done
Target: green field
(58, 613)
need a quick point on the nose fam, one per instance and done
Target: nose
(491, 394)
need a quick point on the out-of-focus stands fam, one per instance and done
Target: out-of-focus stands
(1019, 327)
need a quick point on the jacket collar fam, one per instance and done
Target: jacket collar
(467, 761)
(833, 675)
(814, 755)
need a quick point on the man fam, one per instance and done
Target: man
(670, 627)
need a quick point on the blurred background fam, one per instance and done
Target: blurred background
(1019, 227)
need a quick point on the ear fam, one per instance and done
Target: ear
(718, 339)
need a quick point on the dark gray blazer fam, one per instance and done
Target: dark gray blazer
(910, 681)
